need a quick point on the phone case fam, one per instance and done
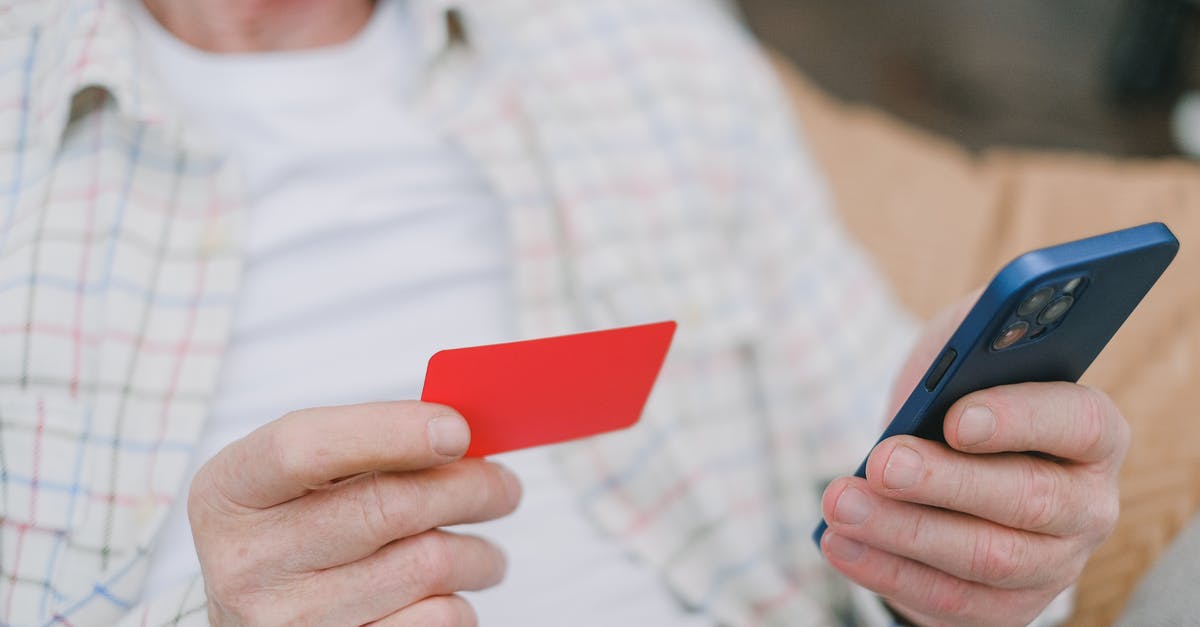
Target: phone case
(1116, 269)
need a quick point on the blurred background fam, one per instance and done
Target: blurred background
(1097, 75)
(1052, 110)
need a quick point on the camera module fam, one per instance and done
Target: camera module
(1055, 310)
(1011, 335)
(1036, 301)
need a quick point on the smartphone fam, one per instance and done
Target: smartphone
(1044, 317)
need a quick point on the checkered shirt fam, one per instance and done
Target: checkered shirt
(650, 170)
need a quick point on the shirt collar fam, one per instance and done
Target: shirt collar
(438, 25)
(100, 49)
(82, 44)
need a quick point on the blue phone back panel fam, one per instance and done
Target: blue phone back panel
(1119, 269)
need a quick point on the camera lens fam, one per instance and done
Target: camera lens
(1073, 285)
(1036, 302)
(1055, 310)
(1011, 335)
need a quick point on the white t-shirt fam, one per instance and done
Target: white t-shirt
(373, 243)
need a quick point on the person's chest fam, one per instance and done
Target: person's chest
(614, 216)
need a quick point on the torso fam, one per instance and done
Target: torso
(372, 243)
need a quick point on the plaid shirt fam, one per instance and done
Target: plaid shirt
(650, 170)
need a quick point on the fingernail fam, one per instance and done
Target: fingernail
(852, 507)
(903, 469)
(844, 548)
(976, 425)
(449, 435)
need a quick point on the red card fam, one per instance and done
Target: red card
(554, 389)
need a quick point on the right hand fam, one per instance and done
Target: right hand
(331, 515)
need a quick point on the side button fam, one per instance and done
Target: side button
(939, 370)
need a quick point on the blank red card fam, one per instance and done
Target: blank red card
(554, 389)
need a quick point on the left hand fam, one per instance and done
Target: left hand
(983, 531)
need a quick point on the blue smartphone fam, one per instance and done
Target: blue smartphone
(1044, 317)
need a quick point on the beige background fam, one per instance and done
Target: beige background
(940, 221)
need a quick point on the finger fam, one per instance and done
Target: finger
(444, 611)
(957, 544)
(1013, 489)
(1066, 420)
(308, 449)
(352, 519)
(923, 589)
(431, 564)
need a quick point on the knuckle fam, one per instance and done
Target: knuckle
(199, 496)
(301, 455)
(913, 531)
(948, 598)
(210, 510)
(1124, 436)
(965, 489)
(1122, 433)
(433, 561)
(1037, 508)
(998, 558)
(388, 507)
(1091, 423)
(284, 447)
(1095, 423)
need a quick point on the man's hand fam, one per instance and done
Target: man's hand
(987, 530)
(329, 516)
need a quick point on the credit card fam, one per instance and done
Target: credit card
(534, 392)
